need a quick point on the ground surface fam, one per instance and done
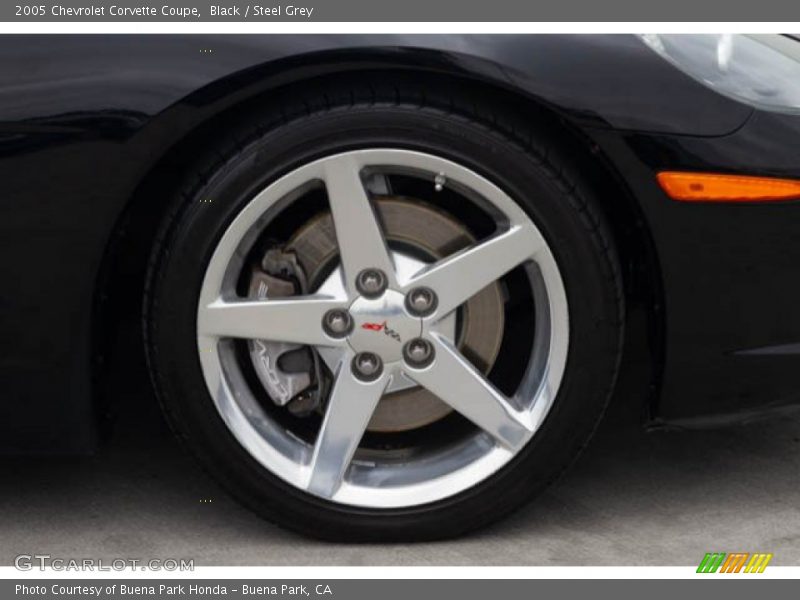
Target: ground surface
(634, 498)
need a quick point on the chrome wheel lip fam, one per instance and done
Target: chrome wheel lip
(366, 485)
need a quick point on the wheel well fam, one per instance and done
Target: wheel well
(122, 277)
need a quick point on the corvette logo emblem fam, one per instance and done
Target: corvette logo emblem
(382, 327)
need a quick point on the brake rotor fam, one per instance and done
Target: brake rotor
(429, 234)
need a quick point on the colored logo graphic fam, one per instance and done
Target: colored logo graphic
(382, 327)
(735, 562)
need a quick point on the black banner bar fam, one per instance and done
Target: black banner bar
(710, 11)
(731, 588)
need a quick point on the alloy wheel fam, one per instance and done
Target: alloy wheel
(383, 321)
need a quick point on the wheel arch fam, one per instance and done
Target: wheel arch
(190, 131)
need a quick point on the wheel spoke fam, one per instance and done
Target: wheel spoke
(457, 383)
(459, 277)
(298, 320)
(358, 232)
(350, 408)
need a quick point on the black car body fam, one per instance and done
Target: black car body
(93, 129)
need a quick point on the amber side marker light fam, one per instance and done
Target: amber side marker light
(713, 187)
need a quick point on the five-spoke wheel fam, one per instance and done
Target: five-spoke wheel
(383, 323)
(381, 320)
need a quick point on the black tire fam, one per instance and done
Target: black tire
(498, 146)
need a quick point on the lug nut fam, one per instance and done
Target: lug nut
(371, 283)
(337, 323)
(421, 301)
(418, 353)
(367, 366)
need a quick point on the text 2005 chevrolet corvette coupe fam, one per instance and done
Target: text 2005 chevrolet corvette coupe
(385, 282)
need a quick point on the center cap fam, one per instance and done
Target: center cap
(382, 325)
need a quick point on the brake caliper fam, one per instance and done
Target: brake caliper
(289, 372)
